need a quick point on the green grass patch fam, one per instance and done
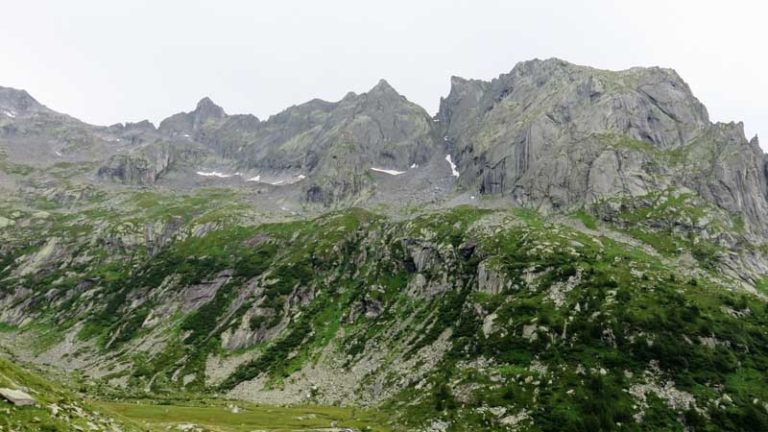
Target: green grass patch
(219, 417)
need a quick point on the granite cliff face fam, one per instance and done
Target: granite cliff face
(554, 135)
(141, 168)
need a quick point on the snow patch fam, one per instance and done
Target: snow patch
(274, 183)
(387, 171)
(257, 178)
(215, 174)
(414, 165)
(454, 171)
(58, 153)
(10, 114)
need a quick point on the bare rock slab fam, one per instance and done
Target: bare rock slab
(16, 397)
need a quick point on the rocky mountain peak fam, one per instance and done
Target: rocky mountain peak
(457, 80)
(144, 125)
(383, 88)
(349, 96)
(546, 66)
(556, 134)
(15, 102)
(190, 122)
(459, 84)
(207, 109)
(649, 104)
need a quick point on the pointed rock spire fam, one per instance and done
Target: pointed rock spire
(207, 109)
(383, 87)
(188, 122)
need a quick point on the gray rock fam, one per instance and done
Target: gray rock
(490, 279)
(555, 135)
(188, 123)
(134, 170)
(17, 397)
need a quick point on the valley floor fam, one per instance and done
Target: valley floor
(56, 407)
(228, 416)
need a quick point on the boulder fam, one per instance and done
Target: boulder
(17, 397)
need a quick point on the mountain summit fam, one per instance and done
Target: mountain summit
(207, 110)
(17, 103)
(188, 123)
(554, 135)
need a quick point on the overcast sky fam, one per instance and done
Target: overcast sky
(114, 61)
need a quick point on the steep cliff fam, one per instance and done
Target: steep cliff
(555, 135)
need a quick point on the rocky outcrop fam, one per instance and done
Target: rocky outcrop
(731, 172)
(133, 170)
(491, 280)
(17, 397)
(423, 256)
(150, 162)
(197, 295)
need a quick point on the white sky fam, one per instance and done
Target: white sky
(111, 61)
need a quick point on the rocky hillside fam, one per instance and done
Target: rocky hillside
(559, 249)
(463, 317)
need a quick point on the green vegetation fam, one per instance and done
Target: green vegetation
(70, 412)
(672, 222)
(158, 415)
(470, 316)
(671, 157)
(219, 416)
(586, 218)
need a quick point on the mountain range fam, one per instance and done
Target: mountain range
(560, 248)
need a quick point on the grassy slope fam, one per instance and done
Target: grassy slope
(57, 408)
